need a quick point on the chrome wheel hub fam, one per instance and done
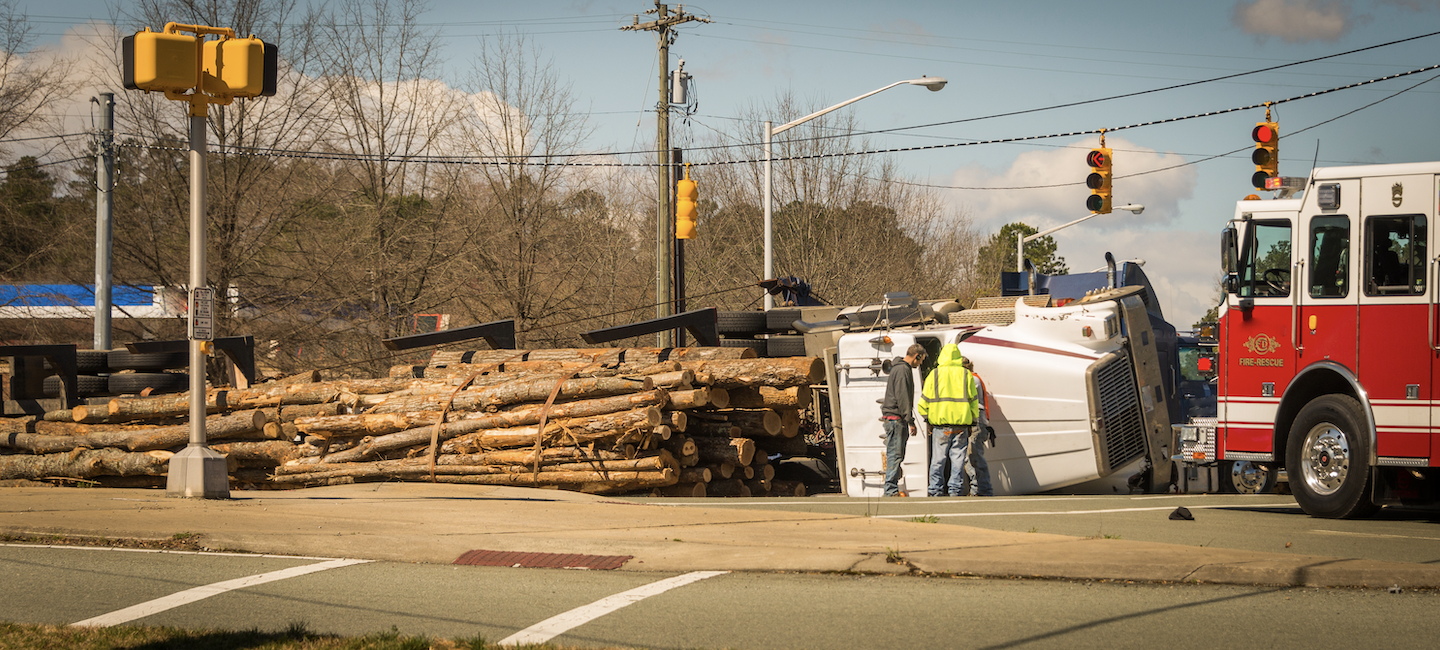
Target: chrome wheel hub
(1325, 459)
(1247, 477)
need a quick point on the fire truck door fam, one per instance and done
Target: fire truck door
(1396, 338)
(1325, 323)
(1258, 334)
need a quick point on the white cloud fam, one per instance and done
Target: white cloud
(1035, 201)
(1296, 21)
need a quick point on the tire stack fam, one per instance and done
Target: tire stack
(769, 334)
(102, 373)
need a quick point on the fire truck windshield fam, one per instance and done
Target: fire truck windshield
(1266, 274)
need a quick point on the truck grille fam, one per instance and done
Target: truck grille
(1122, 428)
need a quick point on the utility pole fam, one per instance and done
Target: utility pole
(664, 212)
(104, 218)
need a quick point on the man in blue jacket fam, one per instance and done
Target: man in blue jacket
(950, 404)
(897, 414)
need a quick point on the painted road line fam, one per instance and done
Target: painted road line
(560, 623)
(200, 593)
(1321, 531)
(1071, 512)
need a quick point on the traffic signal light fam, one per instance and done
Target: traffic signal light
(241, 67)
(1098, 181)
(1267, 152)
(233, 67)
(687, 194)
(158, 61)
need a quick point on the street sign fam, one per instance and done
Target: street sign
(202, 314)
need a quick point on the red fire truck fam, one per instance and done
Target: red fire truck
(1329, 348)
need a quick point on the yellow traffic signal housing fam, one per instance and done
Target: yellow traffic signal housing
(1098, 181)
(158, 61)
(687, 195)
(1267, 152)
(240, 67)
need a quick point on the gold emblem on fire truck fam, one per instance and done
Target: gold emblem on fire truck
(1397, 193)
(1262, 344)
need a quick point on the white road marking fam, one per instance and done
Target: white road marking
(199, 593)
(1353, 534)
(1075, 512)
(560, 623)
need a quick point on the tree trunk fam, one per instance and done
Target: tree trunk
(714, 429)
(84, 464)
(557, 432)
(787, 489)
(694, 489)
(514, 392)
(720, 470)
(764, 422)
(695, 475)
(781, 372)
(689, 399)
(677, 420)
(270, 453)
(738, 451)
(765, 397)
(365, 424)
(727, 488)
(178, 404)
(759, 487)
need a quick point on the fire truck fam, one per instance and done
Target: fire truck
(1328, 344)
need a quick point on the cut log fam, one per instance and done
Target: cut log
(727, 488)
(557, 432)
(695, 475)
(779, 372)
(216, 401)
(745, 472)
(605, 481)
(136, 438)
(737, 451)
(765, 472)
(763, 422)
(62, 415)
(84, 464)
(695, 489)
(786, 447)
(308, 377)
(789, 423)
(765, 397)
(677, 420)
(24, 424)
(365, 424)
(714, 429)
(269, 453)
(689, 399)
(514, 392)
(678, 380)
(680, 445)
(787, 489)
(720, 470)
(87, 414)
(758, 487)
(662, 432)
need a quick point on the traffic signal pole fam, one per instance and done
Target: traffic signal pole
(104, 219)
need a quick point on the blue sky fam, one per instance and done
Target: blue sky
(1002, 58)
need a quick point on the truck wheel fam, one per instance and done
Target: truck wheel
(158, 382)
(122, 359)
(758, 345)
(1246, 477)
(1327, 458)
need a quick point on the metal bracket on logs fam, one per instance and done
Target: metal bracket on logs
(700, 323)
(499, 334)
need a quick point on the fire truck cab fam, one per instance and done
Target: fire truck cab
(1328, 343)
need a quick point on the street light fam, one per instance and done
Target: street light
(1020, 241)
(933, 83)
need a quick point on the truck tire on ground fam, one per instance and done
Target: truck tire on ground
(1246, 477)
(1327, 458)
(754, 344)
(123, 359)
(158, 382)
(785, 345)
(740, 322)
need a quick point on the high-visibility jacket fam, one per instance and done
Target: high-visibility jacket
(951, 394)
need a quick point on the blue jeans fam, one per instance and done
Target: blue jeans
(977, 474)
(949, 445)
(895, 434)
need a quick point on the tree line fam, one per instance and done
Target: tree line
(335, 222)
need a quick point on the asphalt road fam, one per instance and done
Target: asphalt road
(66, 585)
(1270, 523)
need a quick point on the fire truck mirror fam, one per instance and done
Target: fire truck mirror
(1228, 241)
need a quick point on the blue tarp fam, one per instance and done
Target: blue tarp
(72, 295)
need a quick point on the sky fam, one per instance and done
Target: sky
(1016, 70)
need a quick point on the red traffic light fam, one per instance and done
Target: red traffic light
(1263, 133)
(1095, 158)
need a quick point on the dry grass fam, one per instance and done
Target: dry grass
(16, 636)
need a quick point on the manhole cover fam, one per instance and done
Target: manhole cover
(542, 560)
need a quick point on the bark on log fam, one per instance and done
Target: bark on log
(762, 422)
(714, 429)
(721, 470)
(677, 420)
(269, 453)
(786, 447)
(365, 424)
(728, 488)
(136, 438)
(606, 482)
(765, 472)
(466, 464)
(695, 475)
(759, 487)
(677, 380)
(307, 377)
(681, 445)
(689, 399)
(24, 424)
(787, 489)
(765, 397)
(220, 400)
(693, 489)
(535, 389)
(87, 414)
(557, 432)
(62, 415)
(85, 463)
(779, 372)
(738, 451)
(789, 423)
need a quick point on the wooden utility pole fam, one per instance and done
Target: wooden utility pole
(664, 211)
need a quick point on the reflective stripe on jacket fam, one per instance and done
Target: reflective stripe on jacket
(951, 394)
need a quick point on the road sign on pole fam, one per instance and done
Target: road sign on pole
(202, 314)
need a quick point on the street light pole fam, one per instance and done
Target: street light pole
(1021, 240)
(933, 83)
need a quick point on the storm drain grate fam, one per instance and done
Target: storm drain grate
(542, 560)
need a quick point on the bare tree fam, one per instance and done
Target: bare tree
(30, 84)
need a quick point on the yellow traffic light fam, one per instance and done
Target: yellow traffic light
(1267, 152)
(240, 67)
(1098, 181)
(687, 194)
(158, 61)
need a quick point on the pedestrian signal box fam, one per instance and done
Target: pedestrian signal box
(158, 61)
(241, 67)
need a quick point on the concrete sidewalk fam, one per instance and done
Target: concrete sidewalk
(419, 522)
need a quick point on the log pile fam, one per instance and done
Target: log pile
(670, 422)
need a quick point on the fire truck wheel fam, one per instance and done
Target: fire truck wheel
(1246, 477)
(1327, 458)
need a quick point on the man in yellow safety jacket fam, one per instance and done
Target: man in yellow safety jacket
(950, 403)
